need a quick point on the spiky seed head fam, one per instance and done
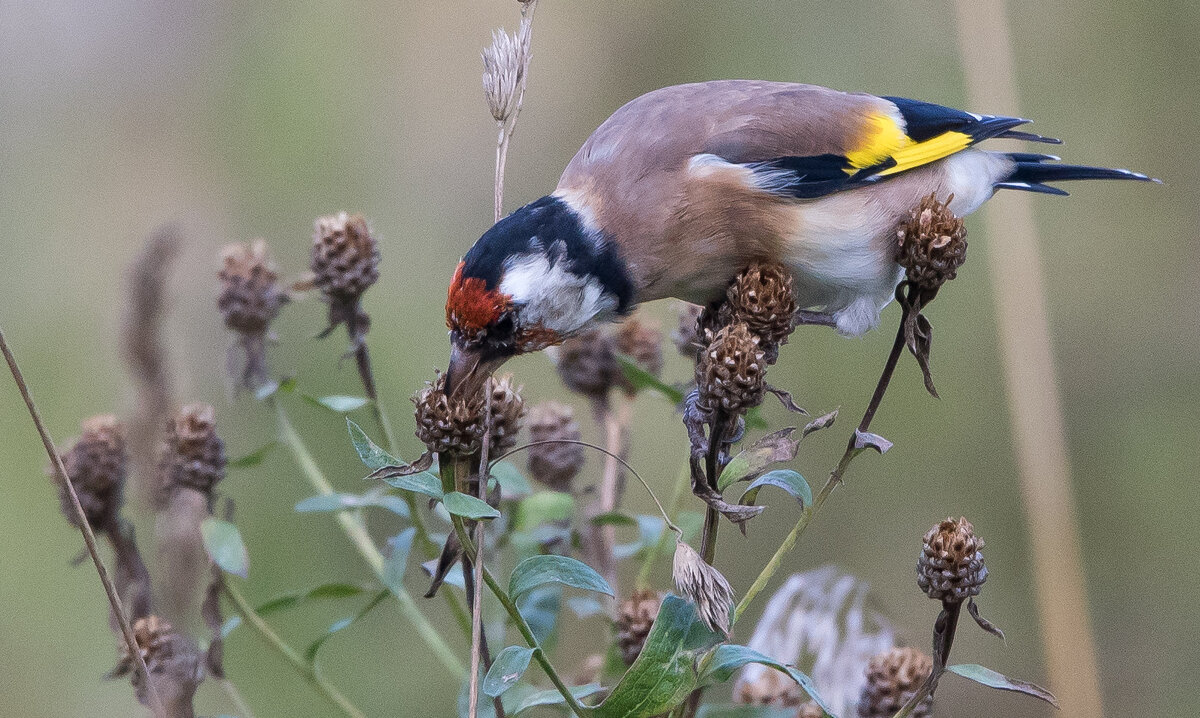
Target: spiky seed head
(893, 678)
(192, 455)
(96, 465)
(703, 585)
(950, 567)
(587, 363)
(250, 295)
(345, 256)
(173, 659)
(634, 620)
(505, 63)
(769, 688)
(455, 425)
(731, 373)
(932, 243)
(687, 335)
(641, 341)
(763, 298)
(554, 465)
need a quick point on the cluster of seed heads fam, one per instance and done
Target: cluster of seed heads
(456, 425)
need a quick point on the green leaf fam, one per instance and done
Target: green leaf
(369, 452)
(992, 679)
(397, 560)
(338, 403)
(770, 449)
(294, 598)
(310, 653)
(507, 668)
(553, 698)
(468, 506)
(223, 543)
(543, 507)
(254, 458)
(422, 483)
(720, 664)
(786, 479)
(641, 379)
(271, 388)
(613, 518)
(513, 484)
(539, 570)
(741, 711)
(755, 420)
(341, 501)
(664, 673)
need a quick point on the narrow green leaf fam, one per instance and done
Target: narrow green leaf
(338, 403)
(271, 388)
(552, 697)
(539, 570)
(543, 507)
(664, 673)
(513, 484)
(369, 452)
(786, 479)
(310, 653)
(770, 449)
(223, 543)
(507, 668)
(641, 379)
(721, 663)
(397, 561)
(294, 598)
(992, 679)
(613, 518)
(468, 506)
(254, 458)
(422, 483)
(342, 501)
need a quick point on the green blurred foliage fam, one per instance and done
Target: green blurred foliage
(237, 120)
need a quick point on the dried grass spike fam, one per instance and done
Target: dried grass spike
(703, 585)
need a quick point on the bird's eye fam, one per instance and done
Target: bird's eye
(504, 327)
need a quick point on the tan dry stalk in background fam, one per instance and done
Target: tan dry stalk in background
(1035, 407)
(505, 75)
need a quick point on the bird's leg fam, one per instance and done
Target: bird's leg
(804, 317)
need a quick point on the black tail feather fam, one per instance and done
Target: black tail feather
(1029, 137)
(1032, 172)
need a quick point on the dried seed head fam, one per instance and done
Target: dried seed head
(933, 243)
(770, 688)
(345, 257)
(554, 464)
(731, 373)
(456, 425)
(762, 297)
(173, 659)
(587, 363)
(892, 680)
(687, 336)
(636, 617)
(704, 586)
(641, 341)
(96, 466)
(505, 63)
(950, 567)
(250, 294)
(192, 455)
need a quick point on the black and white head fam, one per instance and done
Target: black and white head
(537, 277)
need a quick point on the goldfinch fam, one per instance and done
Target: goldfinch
(685, 186)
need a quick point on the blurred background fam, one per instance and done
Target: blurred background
(241, 120)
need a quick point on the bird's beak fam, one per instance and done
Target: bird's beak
(468, 371)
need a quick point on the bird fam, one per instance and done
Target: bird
(683, 187)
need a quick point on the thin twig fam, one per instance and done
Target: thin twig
(306, 669)
(477, 592)
(89, 538)
(239, 703)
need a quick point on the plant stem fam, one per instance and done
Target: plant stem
(89, 537)
(712, 519)
(239, 703)
(681, 484)
(477, 562)
(307, 670)
(356, 530)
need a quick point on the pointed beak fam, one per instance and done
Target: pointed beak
(468, 371)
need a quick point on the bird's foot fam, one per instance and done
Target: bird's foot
(804, 317)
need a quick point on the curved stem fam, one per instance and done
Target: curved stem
(643, 577)
(239, 703)
(712, 518)
(307, 670)
(354, 528)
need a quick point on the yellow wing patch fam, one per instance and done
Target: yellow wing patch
(883, 140)
(922, 153)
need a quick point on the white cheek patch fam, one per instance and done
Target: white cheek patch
(553, 297)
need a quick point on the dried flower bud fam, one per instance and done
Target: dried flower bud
(893, 678)
(505, 63)
(456, 425)
(250, 295)
(770, 688)
(688, 336)
(704, 586)
(192, 455)
(175, 663)
(950, 567)
(933, 243)
(554, 464)
(634, 620)
(641, 341)
(731, 373)
(96, 466)
(587, 364)
(762, 297)
(345, 257)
